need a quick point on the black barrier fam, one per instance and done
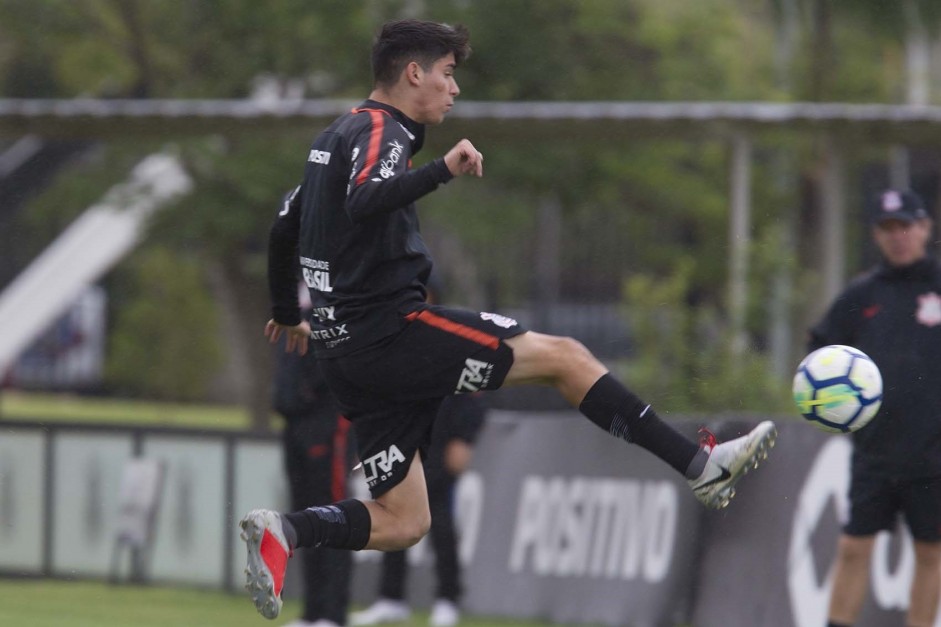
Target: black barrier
(560, 521)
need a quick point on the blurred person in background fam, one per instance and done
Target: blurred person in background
(893, 314)
(449, 454)
(455, 430)
(389, 357)
(317, 456)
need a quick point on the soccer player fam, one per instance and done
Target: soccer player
(388, 356)
(893, 314)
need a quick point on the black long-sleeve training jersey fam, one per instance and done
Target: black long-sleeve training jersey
(894, 316)
(353, 228)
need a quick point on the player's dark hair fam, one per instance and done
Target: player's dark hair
(403, 41)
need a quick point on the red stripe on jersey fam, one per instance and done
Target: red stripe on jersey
(469, 333)
(375, 140)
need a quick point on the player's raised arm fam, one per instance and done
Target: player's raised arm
(381, 179)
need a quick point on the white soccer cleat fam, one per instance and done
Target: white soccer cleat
(382, 611)
(444, 613)
(268, 553)
(729, 461)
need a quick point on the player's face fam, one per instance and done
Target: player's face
(902, 243)
(437, 91)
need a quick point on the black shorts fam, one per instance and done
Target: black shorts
(391, 391)
(876, 501)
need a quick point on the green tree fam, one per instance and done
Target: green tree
(625, 205)
(163, 344)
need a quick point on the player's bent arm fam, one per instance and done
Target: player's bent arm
(381, 195)
(283, 260)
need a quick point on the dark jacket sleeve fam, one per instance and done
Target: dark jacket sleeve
(382, 180)
(283, 261)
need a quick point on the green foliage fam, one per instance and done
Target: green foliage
(657, 204)
(164, 344)
(684, 361)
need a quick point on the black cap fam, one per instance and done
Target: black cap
(893, 204)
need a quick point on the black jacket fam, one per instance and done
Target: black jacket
(894, 316)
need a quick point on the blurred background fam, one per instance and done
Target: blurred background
(617, 231)
(680, 185)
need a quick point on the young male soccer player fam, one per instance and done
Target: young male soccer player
(388, 356)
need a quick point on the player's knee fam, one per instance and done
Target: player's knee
(571, 353)
(414, 530)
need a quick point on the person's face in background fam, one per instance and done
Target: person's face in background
(902, 243)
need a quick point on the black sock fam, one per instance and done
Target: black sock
(343, 525)
(618, 411)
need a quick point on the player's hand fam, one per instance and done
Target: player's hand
(464, 159)
(295, 337)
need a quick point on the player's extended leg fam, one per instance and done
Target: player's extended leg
(850, 578)
(397, 519)
(926, 584)
(712, 469)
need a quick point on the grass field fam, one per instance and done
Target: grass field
(18, 405)
(54, 603)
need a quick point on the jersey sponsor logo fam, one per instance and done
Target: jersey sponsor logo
(387, 165)
(324, 314)
(321, 157)
(929, 309)
(317, 280)
(316, 274)
(501, 321)
(474, 376)
(329, 334)
(379, 467)
(336, 342)
(286, 207)
(349, 183)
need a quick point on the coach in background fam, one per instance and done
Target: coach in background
(317, 458)
(457, 425)
(893, 314)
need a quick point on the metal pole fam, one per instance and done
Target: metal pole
(739, 239)
(833, 227)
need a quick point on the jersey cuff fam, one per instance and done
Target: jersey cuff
(442, 173)
(286, 316)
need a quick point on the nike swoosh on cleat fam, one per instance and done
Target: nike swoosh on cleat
(724, 476)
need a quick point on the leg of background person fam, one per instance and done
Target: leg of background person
(390, 605)
(317, 463)
(443, 537)
(851, 578)
(394, 577)
(926, 584)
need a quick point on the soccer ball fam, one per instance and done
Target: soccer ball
(838, 388)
